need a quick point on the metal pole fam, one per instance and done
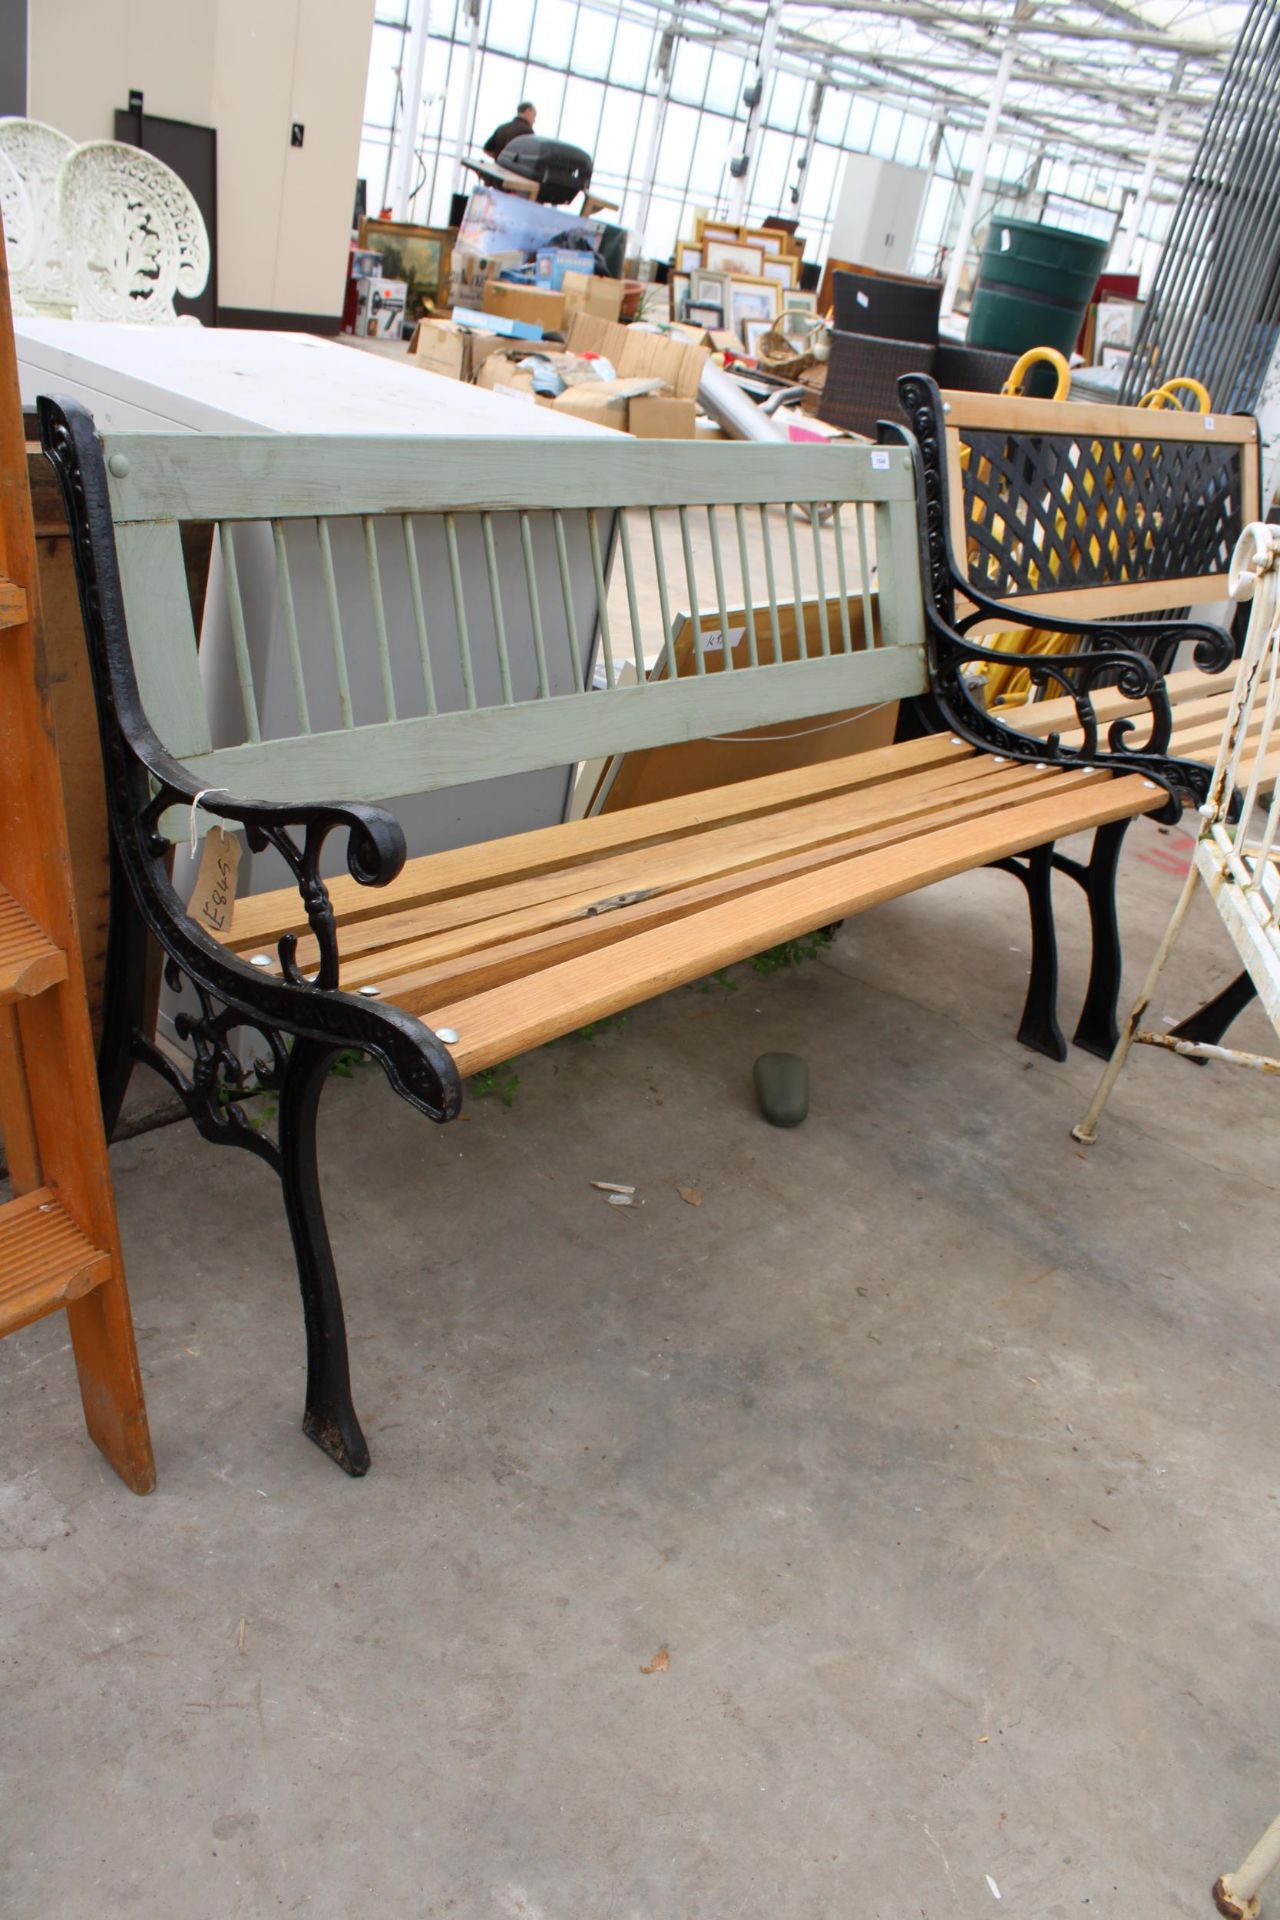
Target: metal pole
(810, 139)
(464, 104)
(412, 109)
(664, 65)
(1124, 252)
(969, 214)
(740, 167)
(931, 165)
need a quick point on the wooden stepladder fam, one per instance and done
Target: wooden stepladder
(59, 1244)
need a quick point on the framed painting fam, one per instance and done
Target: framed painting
(420, 256)
(710, 289)
(781, 268)
(732, 256)
(754, 299)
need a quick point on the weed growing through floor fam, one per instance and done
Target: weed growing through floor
(792, 953)
(497, 1082)
(604, 1025)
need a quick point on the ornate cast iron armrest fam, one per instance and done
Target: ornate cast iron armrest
(1134, 675)
(144, 781)
(1214, 647)
(312, 1006)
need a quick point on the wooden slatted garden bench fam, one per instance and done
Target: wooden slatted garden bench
(480, 565)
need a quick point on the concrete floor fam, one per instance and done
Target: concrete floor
(939, 1456)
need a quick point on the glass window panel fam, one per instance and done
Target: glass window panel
(592, 43)
(819, 186)
(772, 173)
(834, 117)
(663, 227)
(937, 204)
(500, 90)
(727, 78)
(633, 52)
(615, 156)
(862, 114)
(373, 167)
(786, 102)
(679, 136)
(693, 64)
(713, 148)
(553, 26)
(509, 26)
(380, 89)
(911, 140)
(884, 135)
(546, 90)
(580, 118)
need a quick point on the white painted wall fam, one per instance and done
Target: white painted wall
(250, 68)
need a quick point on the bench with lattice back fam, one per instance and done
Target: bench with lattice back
(485, 573)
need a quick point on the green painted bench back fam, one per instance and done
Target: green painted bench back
(410, 614)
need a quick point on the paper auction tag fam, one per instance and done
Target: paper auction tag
(214, 895)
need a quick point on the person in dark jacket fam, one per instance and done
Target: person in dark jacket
(526, 114)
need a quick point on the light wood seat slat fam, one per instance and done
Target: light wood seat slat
(651, 862)
(708, 886)
(524, 1013)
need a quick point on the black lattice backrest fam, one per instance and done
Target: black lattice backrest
(1095, 511)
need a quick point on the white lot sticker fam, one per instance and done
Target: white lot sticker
(880, 459)
(714, 642)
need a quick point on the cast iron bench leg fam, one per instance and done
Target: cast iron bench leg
(124, 990)
(1038, 1027)
(1098, 1028)
(330, 1418)
(1208, 1025)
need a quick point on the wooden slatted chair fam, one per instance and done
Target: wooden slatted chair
(473, 578)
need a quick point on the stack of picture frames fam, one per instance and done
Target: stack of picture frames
(737, 280)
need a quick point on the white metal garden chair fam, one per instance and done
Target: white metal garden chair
(1237, 850)
(132, 236)
(1236, 1894)
(33, 231)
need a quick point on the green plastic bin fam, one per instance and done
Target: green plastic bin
(1034, 286)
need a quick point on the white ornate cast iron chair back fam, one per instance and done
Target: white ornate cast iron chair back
(1237, 850)
(132, 234)
(33, 235)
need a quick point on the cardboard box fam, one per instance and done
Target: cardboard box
(537, 307)
(456, 352)
(588, 293)
(502, 369)
(723, 340)
(471, 272)
(636, 352)
(380, 308)
(661, 416)
(606, 403)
